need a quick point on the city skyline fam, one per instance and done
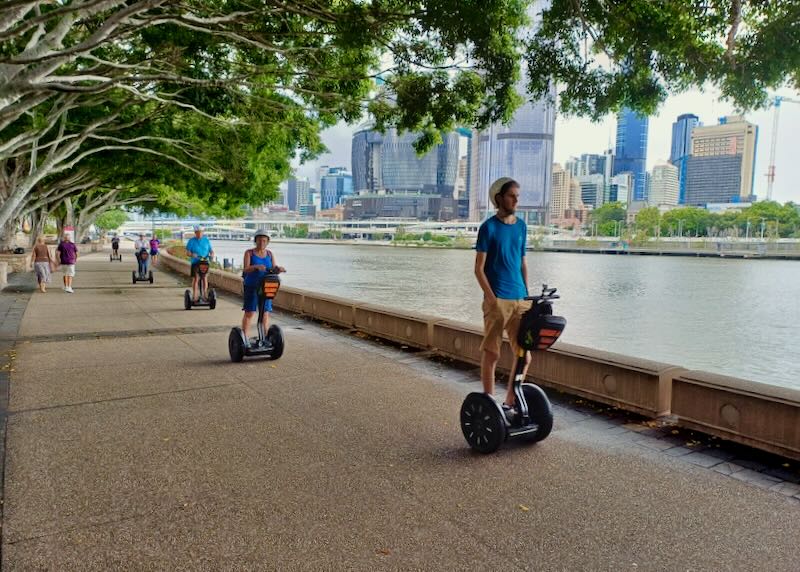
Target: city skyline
(574, 136)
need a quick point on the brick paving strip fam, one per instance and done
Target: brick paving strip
(132, 442)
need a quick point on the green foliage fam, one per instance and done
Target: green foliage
(330, 234)
(427, 236)
(461, 241)
(647, 221)
(296, 231)
(111, 220)
(608, 212)
(661, 47)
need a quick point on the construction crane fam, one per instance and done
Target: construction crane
(771, 170)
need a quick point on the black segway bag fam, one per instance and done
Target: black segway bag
(539, 328)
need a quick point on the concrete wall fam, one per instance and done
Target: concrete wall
(17, 262)
(758, 415)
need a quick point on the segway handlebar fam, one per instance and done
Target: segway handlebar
(547, 294)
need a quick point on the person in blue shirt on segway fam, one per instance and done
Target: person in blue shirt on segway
(199, 247)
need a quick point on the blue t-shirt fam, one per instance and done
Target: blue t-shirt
(504, 245)
(199, 247)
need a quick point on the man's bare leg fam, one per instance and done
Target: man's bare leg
(488, 366)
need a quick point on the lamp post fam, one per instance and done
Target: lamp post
(762, 228)
(747, 231)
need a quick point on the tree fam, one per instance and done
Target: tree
(634, 52)
(647, 221)
(111, 220)
(321, 58)
(77, 77)
(688, 221)
(608, 217)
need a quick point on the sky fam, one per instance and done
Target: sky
(575, 136)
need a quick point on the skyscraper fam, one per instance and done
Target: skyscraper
(631, 151)
(391, 179)
(389, 162)
(522, 150)
(404, 171)
(297, 193)
(592, 189)
(334, 186)
(682, 148)
(664, 186)
(619, 188)
(721, 168)
(365, 160)
(559, 198)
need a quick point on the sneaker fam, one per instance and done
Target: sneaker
(509, 412)
(69, 290)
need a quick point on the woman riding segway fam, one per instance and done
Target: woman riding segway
(257, 263)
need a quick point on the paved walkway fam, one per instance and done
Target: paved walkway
(150, 450)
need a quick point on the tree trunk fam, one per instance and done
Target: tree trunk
(8, 233)
(38, 220)
(68, 219)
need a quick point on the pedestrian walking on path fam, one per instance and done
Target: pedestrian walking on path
(154, 244)
(68, 257)
(42, 263)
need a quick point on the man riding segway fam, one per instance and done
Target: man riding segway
(199, 248)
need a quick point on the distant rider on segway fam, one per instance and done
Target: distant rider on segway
(256, 263)
(115, 245)
(199, 247)
(143, 261)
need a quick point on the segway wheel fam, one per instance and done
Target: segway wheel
(482, 423)
(111, 258)
(275, 337)
(120, 258)
(151, 277)
(212, 299)
(540, 411)
(133, 276)
(187, 300)
(236, 345)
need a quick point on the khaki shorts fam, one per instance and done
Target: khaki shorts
(68, 269)
(504, 316)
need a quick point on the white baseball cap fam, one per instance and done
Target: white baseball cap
(496, 186)
(197, 227)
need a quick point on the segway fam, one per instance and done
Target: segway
(484, 423)
(142, 276)
(115, 253)
(211, 299)
(268, 344)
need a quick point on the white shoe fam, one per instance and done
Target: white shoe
(69, 290)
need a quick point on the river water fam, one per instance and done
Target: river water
(737, 317)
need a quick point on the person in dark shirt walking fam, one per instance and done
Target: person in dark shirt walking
(68, 258)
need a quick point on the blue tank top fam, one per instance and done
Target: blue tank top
(254, 278)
